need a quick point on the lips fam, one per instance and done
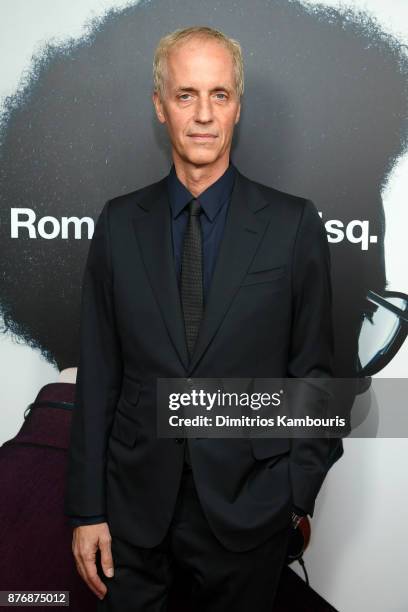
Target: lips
(202, 136)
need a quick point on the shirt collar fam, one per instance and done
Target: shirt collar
(211, 199)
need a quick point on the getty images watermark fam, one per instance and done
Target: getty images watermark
(280, 407)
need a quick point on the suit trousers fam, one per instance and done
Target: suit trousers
(221, 580)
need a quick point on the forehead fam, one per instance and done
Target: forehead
(199, 61)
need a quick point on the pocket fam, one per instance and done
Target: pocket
(278, 273)
(124, 429)
(125, 425)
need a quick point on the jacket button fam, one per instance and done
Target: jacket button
(179, 440)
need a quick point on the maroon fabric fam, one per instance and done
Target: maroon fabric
(35, 536)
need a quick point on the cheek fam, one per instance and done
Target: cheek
(231, 121)
(175, 122)
(180, 128)
(227, 123)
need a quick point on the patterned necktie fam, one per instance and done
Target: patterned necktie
(192, 275)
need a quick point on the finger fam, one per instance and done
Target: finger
(82, 572)
(106, 556)
(82, 557)
(77, 557)
(85, 557)
(91, 575)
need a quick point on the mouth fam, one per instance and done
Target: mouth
(202, 137)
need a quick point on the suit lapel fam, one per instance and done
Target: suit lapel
(153, 232)
(242, 234)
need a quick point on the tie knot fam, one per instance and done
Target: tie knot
(194, 207)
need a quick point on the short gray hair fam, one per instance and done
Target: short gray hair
(166, 43)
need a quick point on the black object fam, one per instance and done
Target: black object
(192, 275)
(384, 327)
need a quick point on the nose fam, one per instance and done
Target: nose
(203, 110)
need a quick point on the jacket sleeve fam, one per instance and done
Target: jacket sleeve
(77, 521)
(98, 383)
(312, 347)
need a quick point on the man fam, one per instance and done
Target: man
(207, 274)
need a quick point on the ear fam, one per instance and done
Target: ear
(159, 107)
(238, 113)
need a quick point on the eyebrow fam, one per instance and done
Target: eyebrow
(193, 89)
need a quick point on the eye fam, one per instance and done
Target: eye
(221, 94)
(182, 96)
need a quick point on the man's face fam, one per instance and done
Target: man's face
(200, 105)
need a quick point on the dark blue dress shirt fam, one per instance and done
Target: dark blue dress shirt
(214, 202)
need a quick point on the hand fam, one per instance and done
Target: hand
(85, 543)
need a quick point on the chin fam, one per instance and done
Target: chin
(200, 158)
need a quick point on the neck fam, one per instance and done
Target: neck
(68, 375)
(198, 178)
